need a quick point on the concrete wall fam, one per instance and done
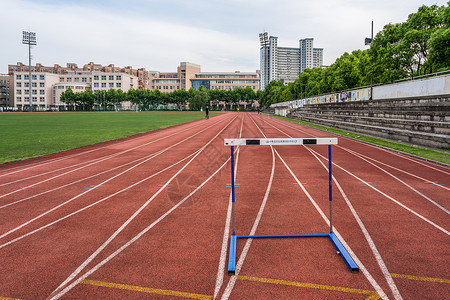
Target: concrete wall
(433, 86)
(422, 87)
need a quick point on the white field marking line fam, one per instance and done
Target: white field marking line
(18, 201)
(130, 219)
(229, 288)
(373, 247)
(369, 277)
(389, 197)
(392, 167)
(130, 242)
(366, 273)
(90, 162)
(398, 179)
(95, 203)
(111, 178)
(353, 152)
(38, 164)
(226, 232)
(376, 253)
(75, 182)
(390, 152)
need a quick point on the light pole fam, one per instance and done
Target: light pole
(264, 42)
(369, 41)
(29, 38)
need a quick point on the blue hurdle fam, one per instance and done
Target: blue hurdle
(280, 141)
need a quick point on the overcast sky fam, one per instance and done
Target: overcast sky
(158, 35)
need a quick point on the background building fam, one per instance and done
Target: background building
(286, 64)
(142, 74)
(6, 91)
(226, 81)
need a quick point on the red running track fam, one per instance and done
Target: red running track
(150, 217)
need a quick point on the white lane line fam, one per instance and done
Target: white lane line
(415, 160)
(74, 182)
(387, 196)
(102, 183)
(226, 294)
(398, 179)
(377, 255)
(130, 242)
(90, 163)
(39, 164)
(373, 247)
(93, 204)
(392, 167)
(231, 283)
(136, 213)
(226, 233)
(97, 174)
(361, 266)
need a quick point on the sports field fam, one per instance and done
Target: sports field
(149, 217)
(25, 135)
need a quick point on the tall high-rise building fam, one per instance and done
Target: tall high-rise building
(286, 64)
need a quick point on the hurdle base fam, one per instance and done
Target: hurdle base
(232, 256)
(337, 244)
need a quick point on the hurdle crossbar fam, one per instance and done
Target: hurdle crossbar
(277, 142)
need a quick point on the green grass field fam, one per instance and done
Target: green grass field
(25, 135)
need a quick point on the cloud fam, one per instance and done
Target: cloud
(218, 35)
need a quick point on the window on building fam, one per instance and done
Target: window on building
(103, 77)
(111, 77)
(84, 79)
(42, 99)
(42, 84)
(76, 79)
(34, 99)
(42, 92)
(19, 92)
(118, 85)
(118, 77)
(27, 98)
(19, 84)
(33, 77)
(111, 84)
(34, 84)
(69, 79)
(41, 77)
(19, 99)
(61, 87)
(95, 77)
(26, 77)
(103, 84)
(34, 92)
(18, 77)
(61, 79)
(27, 92)
(96, 84)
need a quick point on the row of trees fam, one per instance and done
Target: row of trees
(148, 99)
(419, 46)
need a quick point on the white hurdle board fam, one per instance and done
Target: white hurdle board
(281, 141)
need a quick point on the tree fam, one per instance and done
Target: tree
(200, 98)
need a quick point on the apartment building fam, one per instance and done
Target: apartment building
(6, 91)
(226, 81)
(286, 64)
(41, 90)
(141, 83)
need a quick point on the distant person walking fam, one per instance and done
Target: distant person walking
(207, 112)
